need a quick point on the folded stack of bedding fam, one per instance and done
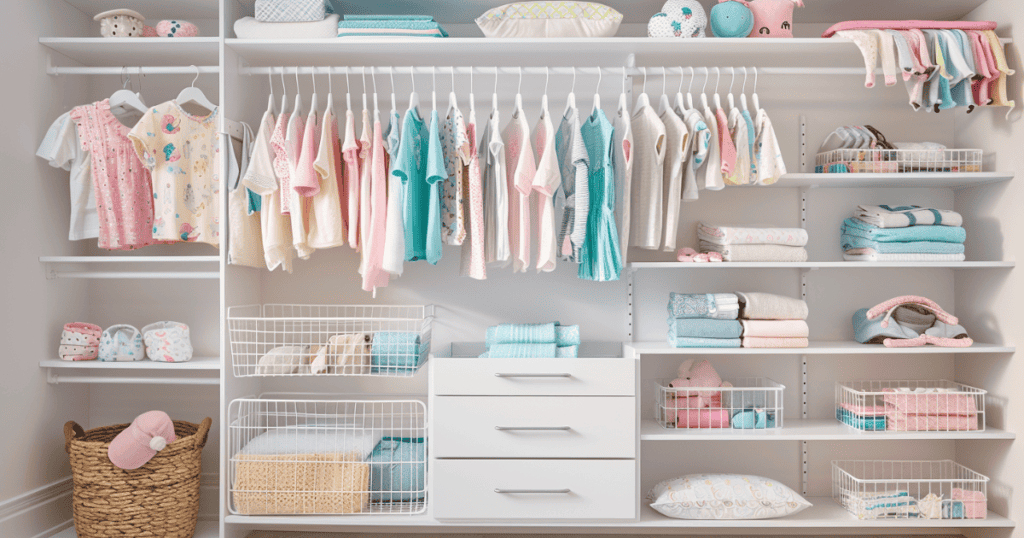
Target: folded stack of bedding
(903, 233)
(397, 352)
(390, 26)
(881, 504)
(773, 321)
(532, 341)
(703, 320)
(754, 244)
(929, 410)
(250, 28)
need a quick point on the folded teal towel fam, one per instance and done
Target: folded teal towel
(397, 352)
(398, 470)
(533, 333)
(706, 328)
(940, 234)
(390, 27)
(753, 419)
(568, 352)
(523, 351)
(848, 242)
(860, 422)
(388, 18)
(703, 305)
(686, 342)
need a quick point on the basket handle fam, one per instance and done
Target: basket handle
(203, 432)
(72, 431)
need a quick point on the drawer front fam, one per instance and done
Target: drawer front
(534, 377)
(534, 427)
(534, 489)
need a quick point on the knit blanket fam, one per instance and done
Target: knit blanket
(688, 342)
(757, 305)
(942, 234)
(849, 242)
(703, 305)
(533, 333)
(531, 351)
(885, 216)
(774, 343)
(870, 255)
(706, 328)
(732, 235)
(788, 328)
(756, 253)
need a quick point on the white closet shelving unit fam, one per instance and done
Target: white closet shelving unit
(805, 81)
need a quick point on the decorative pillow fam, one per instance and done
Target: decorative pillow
(679, 18)
(176, 29)
(290, 10)
(773, 18)
(550, 19)
(725, 496)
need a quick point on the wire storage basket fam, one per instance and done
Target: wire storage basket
(753, 403)
(329, 340)
(910, 406)
(327, 456)
(898, 161)
(910, 490)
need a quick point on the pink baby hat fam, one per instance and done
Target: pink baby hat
(148, 434)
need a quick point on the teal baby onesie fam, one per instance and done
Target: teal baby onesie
(600, 258)
(420, 167)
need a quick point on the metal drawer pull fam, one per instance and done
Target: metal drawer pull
(536, 428)
(499, 490)
(532, 375)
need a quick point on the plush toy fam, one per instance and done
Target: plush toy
(730, 18)
(773, 18)
(679, 18)
(697, 374)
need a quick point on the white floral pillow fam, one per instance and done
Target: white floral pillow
(725, 496)
(550, 19)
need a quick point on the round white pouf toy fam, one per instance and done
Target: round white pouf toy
(679, 18)
(121, 23)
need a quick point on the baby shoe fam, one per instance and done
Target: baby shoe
(79, 342)
(121, 343)
(167, 341)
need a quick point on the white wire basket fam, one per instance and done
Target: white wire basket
(910, 490)
(329, 340)
(327, 456)
(907, 406)
(893, 161)
(753, 403)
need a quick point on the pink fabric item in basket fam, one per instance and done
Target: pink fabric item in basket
(902, 422)
(693, 402)
(864, 410)
(935, 403)
(975, 504)
(702, 418)
(908, 25)
(148, 434)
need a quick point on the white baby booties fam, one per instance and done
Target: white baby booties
(679, 18)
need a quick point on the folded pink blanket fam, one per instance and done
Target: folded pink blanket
(771, 343)
(693, 402)
(901, 422)
(930, 403)
(702, 418)
(975, 504)
(909, 25)
(785, 328)
(864, 410)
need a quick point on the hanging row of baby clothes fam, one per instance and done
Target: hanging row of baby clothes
(131, 187)
(942, 68)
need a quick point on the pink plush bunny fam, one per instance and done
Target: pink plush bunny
(772, 18)
(701, 375)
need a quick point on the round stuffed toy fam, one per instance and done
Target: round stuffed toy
(176, 29)
(120, 23)
(679, 18)
(731, 19)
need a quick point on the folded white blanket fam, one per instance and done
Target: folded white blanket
(314, 440)
(885, 216)
(250, 28)
(758, 305)
(873, 256)
(732, 235)
(756, 253)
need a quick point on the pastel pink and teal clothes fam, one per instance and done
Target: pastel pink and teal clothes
(420, 165)
(600, 258)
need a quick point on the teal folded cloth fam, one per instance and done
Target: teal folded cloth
(706, 328)
(860, 422)
(522, 351)
(394, 352)
(388, 18)
(703, 305)
(398, 470)
(753, 419)
(849, 242)
(687, 342)
(394, 27)
(568, 352)
(940, 234)
(533, 333)
(952, 509)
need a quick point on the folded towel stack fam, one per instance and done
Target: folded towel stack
(773, 321)
(703, 320)
(532, 341)
(754, 244)
(903, 233)
(390, 26)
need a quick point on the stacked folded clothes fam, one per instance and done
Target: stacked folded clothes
(390, 26)
(773, 321)
(532, 341)
(932, 409)
(903, 233)
(703, 320)
(754, 244)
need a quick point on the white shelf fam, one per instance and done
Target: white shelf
(137, 51)
(141, 267)
(820, 347)
(807, 430)
(204, 529)
(824, 265)
(196, 364)
(952, 180)
(198, 371)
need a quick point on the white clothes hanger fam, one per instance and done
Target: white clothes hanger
(284, 94)
(433, 89)
(570, 102)
(680, 105)
(376, 108)
(362, 73)
(414, 98)
(348, 92)
(125, 101)
(732, 100)
(663, 103)
(472, 98)
(757, 103)
(297, 110)
(643, 100)
(313, 104)
(718, 98)
(452, 102)
(689, 90)
(544, 99)
(597, 91)
(394, 107)
(270, 102)
(704, 90)
(494, 97)
(194, 96)
(519, 96)
(623, 102)
(743, 96)
(330, 90)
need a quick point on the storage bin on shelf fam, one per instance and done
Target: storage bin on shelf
(754, 403)
(329, 340)
(905, 406)
(898, 161)
(297, 456)
(885, 489)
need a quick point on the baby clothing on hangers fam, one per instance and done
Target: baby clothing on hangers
(326, 225)
(473, 263)
(600, 258)
(700, 137)
(374, 275)
(420, 165)
(350, 154)
(676, 137)
(546, 181)
(394, 234)
(496, 195)
(261, 178)
(246, 242)
(300, 133)
(574, 167)
(770, 165)
(365, 186)
(738, 131)
(751, 136)
(647, 197)
(61, 148)
(713, 179)
(521, 168)
(455, 144)
(726, 148)
(623, 150)
(180, 150)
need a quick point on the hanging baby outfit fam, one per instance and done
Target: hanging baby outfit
(61, 148)
(497, 247)
(647, 199)
(575, 174)
(676, 137)
(326, 225)
(455, 145)
(521, 169)
(299, 133)
(394, 237)
(374, 275)
(473, 263)
(600, 258)
(623, 151)
(245, 242)
(546, 181)
(350, 154)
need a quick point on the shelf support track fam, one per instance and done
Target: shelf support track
(630, 311)
(803, 394)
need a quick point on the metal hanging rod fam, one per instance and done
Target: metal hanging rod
(652, 71)
(144, 70)
(55, 379)
(127, 275)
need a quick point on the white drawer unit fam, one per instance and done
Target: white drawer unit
(535, 489)
(534, 377)
(534, 427)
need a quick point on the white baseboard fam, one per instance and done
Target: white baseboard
(39, 513)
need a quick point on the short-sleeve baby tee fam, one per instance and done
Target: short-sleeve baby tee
(61, 149)
(180, 151)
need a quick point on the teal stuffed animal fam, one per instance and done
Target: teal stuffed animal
(731, 19)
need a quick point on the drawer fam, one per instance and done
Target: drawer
(533, 427)
(534, 489)
(534, 377)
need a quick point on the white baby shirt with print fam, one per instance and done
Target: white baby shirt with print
(61, 149)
